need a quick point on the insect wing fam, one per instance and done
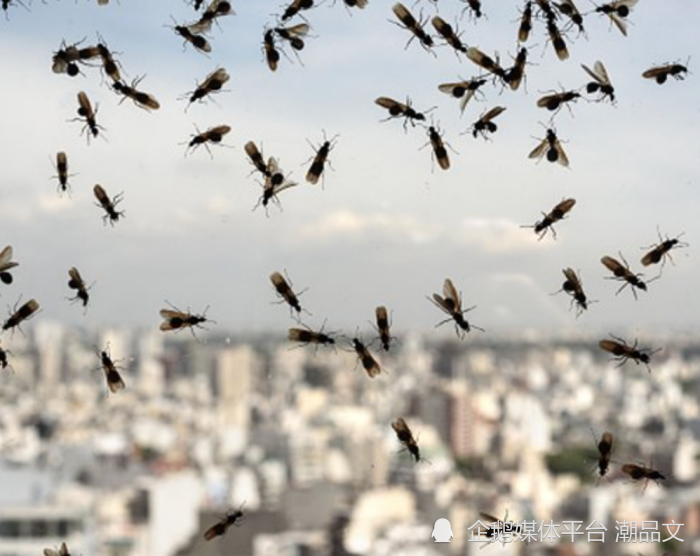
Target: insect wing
(612, 264)
(655, 72)
(75, 276)
(565, 206)
(539, 150)
(391, 105)
(101, 195)
(571, 277)
(85, 105)
(610, 346)
(404, 15)
(491, 114)
(400, 426)
(561, 158)
(114, 380)
(650, 258)
(5, 256)
(451, 296)
(300, 30)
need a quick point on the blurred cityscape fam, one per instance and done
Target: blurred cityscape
(300, 440)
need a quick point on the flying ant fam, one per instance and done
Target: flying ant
(554, 101)
(64, 60)
(307, 336)
(451, 304)
(217, 8)
(275, 183)
(414, 26)
(546, 10)
(558, 213)
(400, 110)
(272, 55)
(601, 82)
(525, 22)
(661, 251)
(76, 283)
(220, 528)
(483, 126)
(6, 264)
(617, 11)
(551, 147)
(284, 290)
(62, 172)
(485, 62)
(369, 363)
(87, 115)
(569, 9)
(624, 352)
(446, 31)
(295, 7)
(294, 35)
(623, 273)
(112, 215)
(212, 135)
(109, 64)
(111, 371)
(4, 363)
(383, 327)
(463, 90)
(661, 73)
(605, 448)
(437, 143)
(572, 285)
(20, 315)
(320, 159)
(642, 473)
(498, 526)
(198, 41)
(88, 53)
(141, 99)
(405, 436)
(256, 158)
(211, 84)
(175, 319)
(514, 75)
(62, 551)
(558, 42)
(474, 6)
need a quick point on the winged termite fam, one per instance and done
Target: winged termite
(109, 64)
(284, 290)
(545, 10)
(662, 250)
(65, 58)
(642, 473)
(87, 115)
(6, 264)
(554, 101)
(437, 145)
(294, 35)
(451, 303)
(275, 183)
(320, 159)
(622, 272)
(551, 147)
(605, 448)
(601, 82)
(498, 527)
(485, 62)
(463, 90)
(215, 10)
(200, 42)
(383, 327)
(484, 125)
(558, 213)
(220, 528)
(4, 361)
(111, 371)
(515, 74)
(369, 363)
(295, 7)
(572, 286)
(400, 110)
(617, 11)
(525, 26)
(141, 99)
(451, 37)
(661, 73)
(356, 3)
(175, 319)
(405, 436)
(474, 8)
(18, 316)
(211, 84)
(112, 215)
(623, 351)
(62, 551)
(62, 174)
(272, 55)
(557, 39)
(256, 158)
(416, 27)
(569, 9)
(77, 283)
(212, 135)
(307, 336)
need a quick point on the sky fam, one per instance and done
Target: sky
(388, 225)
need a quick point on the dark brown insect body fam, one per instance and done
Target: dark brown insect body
(661, 73)
(451, 304)
(295, 7)
(369, 363)
(212, 135)
(623, 273)
(601, 82)
(285, 291)
(553, 102)
(438, 146)
(198, 41)
(525, 22)
(175, 319)
(413, 25)
(272, 55)
(109, 64)
(572, 286)
(485, 62)
(623, 351)
(62, 172)
(112, 215)
(6, 263)
(642, 473)
(406, 438)
(463, 90)
(514, 75)
(4, 363)
(87, 115)
(400, 110)
(112, 375)
(662, 250)
(220, 528)
(21, 314)
(294, 35)
(605, 447)
(498, 526)
(76, 283)
(383, 326)
(308, 336)
(275, 183)
(319, 160)
(484, 125)
(558, 213)
(569, 9)
(141, 99)
(216, 9)
(551, 147)
(211, 84)
(65, 58)
(446, 31)
(558, 42)
(617, 11)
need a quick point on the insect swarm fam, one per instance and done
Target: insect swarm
(175, 319)
(601, 82)
(6, 263)
(661, 73)
(220, 528)
(623, 273)
(112, 215)
(320, 159)
(662, 250)
(213, 135)
(285, 291)
(416, 27)
(77, 283)
(558, 213)
(623, 351)
(551, 147)
(464, 90)
(18, 316)
(451, 304)
(405, 436)
(111, 371)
